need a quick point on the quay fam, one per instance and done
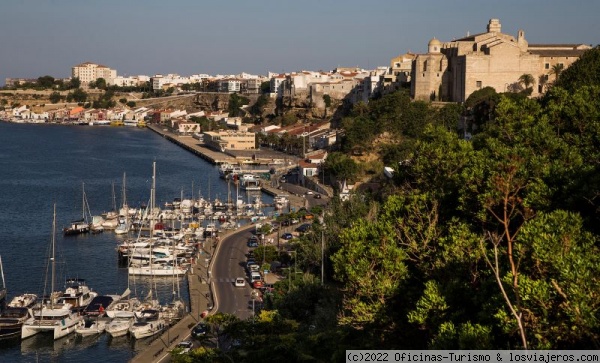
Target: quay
(216, 157)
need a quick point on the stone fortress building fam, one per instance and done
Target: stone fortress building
(451, 71)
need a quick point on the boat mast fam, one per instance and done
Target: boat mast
(83, 200)
(52, 260)
(2, 272)
(114, 197)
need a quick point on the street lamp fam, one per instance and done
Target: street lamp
(253, 296)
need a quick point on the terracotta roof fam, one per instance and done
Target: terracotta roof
(76, 110)
(306, 164)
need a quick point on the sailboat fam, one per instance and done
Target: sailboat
(3, 289)
(50, 315)
(81, 225)
(111, 217)
(123, 224)
(153, 269)
(148, 322)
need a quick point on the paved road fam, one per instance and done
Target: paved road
(229, 264)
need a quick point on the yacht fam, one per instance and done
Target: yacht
(17, 312)
(51, 317)
(147, 323)
(78, 294)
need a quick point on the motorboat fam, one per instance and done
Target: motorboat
(91, 327)
(17, 312)
(147, 323)
(77, 293)
(119, 327)
(167, 270)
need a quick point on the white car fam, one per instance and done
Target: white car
(240, 282)
(184, 346)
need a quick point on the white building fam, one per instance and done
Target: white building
(89, 72)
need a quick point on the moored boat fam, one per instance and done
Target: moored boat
(17, 312)
(49, 315)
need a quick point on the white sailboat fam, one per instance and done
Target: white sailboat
(123, 224)
(154, 269)
(51, 316)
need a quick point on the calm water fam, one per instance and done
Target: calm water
(45, 164)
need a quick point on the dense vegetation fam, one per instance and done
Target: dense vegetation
(488, 243)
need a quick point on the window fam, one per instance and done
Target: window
(478, 84)
(547, 66)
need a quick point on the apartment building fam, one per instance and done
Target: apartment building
(89, 72)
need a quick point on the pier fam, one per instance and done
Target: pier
(216, 157)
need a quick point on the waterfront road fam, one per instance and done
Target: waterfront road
(229, 263)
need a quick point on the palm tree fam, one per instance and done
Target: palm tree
(526, 80)
(557, 69)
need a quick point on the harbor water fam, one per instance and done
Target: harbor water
(42, 165)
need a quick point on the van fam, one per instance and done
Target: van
(255, 276)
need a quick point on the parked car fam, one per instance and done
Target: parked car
(257, 284)
(287, 236)
(295, 221)
(252, 243)
(200, 330)
(303, 228)
(184, 346)
(250, 263)
(285, 222)
(240, 282)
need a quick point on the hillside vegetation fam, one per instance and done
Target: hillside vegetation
(490, 243)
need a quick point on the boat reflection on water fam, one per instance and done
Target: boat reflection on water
(43, 346)
(135, 345)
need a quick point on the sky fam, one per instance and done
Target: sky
(148, 37)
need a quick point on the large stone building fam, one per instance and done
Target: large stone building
(89, 72)
(451, 71)
(230, 140)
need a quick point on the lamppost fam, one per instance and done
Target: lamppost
(253, 296)
(322, 220)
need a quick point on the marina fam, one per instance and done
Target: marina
(42, 174)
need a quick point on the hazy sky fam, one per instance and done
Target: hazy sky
(48, 37)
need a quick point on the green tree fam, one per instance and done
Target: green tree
(55, 97)
(46, 82)
(585, 71)
(235, 103)
(557, 69)
(526, 80)
(100, 83)
(341, 167)
(79, 95)
(74, 83)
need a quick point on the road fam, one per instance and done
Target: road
(229, 263)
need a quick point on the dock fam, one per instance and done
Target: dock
(217, 157)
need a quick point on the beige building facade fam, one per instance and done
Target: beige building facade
(230, 140)
(89, 72)
(451, 71)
